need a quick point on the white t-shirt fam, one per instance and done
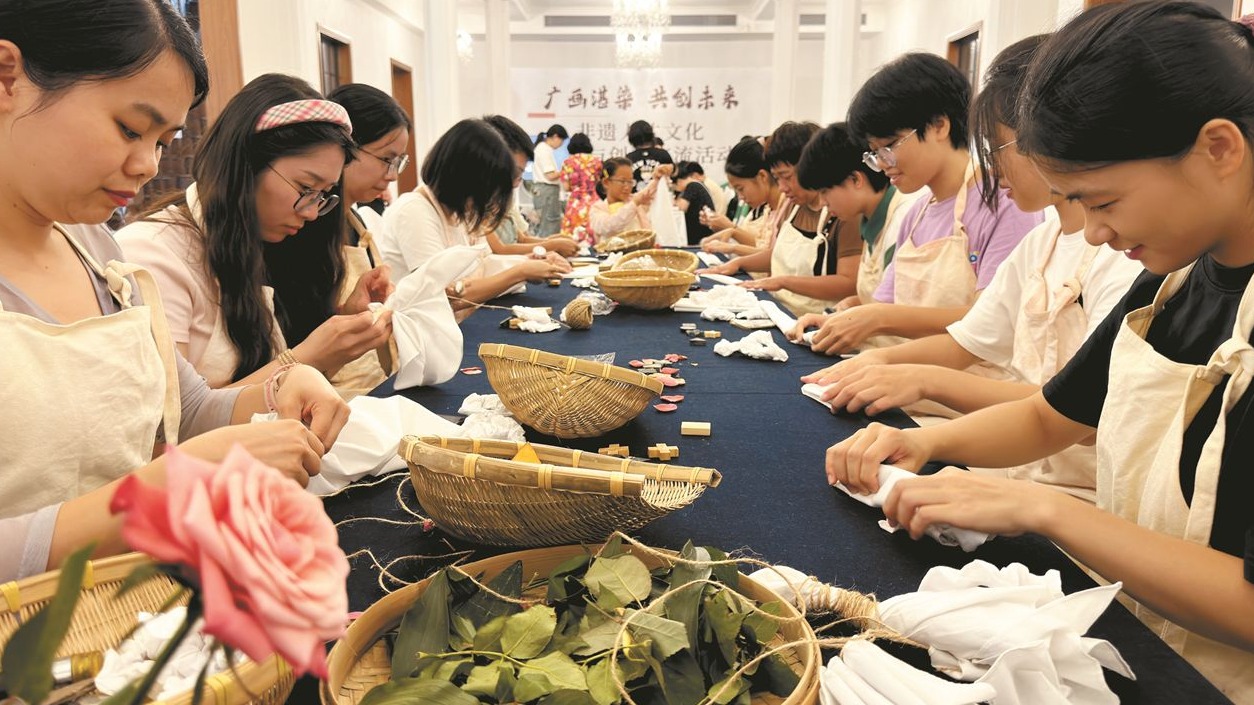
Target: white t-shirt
(987, 331)
(413, 231)
(545, 162)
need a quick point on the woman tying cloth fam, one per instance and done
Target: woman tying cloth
(91, 377)
(621, 210)
(1045, 299)
(510, 236)
(750, 177)
(1164, 381)
(244, 262)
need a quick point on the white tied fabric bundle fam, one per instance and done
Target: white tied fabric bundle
(534, 320)
(865, 674)
(726, 296)
(759, 345)
(487, 417)
(945, 535)
(134, 657)
(785, 323)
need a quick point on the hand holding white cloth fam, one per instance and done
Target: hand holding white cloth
(759, 345)
(428, 339)
(945, 535)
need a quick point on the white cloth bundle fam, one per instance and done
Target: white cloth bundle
(583, 282)
(428, 339)
(721, 279)
(759, 345)
(1012, 629)
(487, 417)
(728, 296)
(135, 656)
(534, 320)
(714, 313)
(785, 323)
(483, 403)
(815, 391)
(945, 535)
(709, 259)
(586, 271)
(865, 674)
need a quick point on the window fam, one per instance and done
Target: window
(335, 61)
(964, 52)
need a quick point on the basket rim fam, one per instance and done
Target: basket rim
(690, 261)
(630, 238)
(652, 278)
(570, 365)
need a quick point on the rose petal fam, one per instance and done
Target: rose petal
(665, 407)
(636, 363)
(673, 398)
(670, 370)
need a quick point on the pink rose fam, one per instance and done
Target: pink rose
(267, 557)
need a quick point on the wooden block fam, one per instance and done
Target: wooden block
(694, 428)
(713, 334)
(663, 452)
(615, 449)
(555, 282)
(513, 323)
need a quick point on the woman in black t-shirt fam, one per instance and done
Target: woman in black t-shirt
(1144, 114)
(645, 155)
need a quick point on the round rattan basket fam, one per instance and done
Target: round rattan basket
(679, 260)
(473, 490)
(102, 621)
(649, 289)
(564, 396)
(360, 660)
(631, 240)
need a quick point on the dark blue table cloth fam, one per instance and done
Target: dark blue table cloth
(769, 442)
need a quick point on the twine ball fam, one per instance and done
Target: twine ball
(578, 314)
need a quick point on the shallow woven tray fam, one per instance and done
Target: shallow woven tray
(649, 289)
(361, 660)
(633, 239)
(679, 260)
(472, 490)
(564, 396)
(101, 622)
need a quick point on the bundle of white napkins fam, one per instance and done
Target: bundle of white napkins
(135, 656)
(759, 345)
(534, 320)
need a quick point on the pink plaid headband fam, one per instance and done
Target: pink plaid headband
(304, 111)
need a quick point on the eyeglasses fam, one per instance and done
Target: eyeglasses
(884, 157)
(396, 164)
(323, 200)
(622, 181)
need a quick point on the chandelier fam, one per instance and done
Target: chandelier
(638, 27)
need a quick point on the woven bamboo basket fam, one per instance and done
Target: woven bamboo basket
(649, 289)
(472, 489)
(360, 660)
(632, 240)
(679, 260)
(102, 621)
(564, 396)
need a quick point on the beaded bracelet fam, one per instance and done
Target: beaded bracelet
(270, 389)
(287, 358)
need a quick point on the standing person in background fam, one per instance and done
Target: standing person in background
(692, 199)
(580, 173)
(646, 155)
(546, 174)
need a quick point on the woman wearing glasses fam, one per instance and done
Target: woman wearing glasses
(621, 210)
(250, 274)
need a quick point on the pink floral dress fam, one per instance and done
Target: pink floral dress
(580, 174)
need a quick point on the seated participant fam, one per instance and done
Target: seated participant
(92, 381)
(760, 204)
(912, 114)
(239, 281)
(510, 237)
(693, 199)
(1164, 381)
(621, 210)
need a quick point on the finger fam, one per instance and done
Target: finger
(321, 417)
(853, 459)
(342, 414)
(835, 462)
(310, 463)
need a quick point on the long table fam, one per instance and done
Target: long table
(769, 442)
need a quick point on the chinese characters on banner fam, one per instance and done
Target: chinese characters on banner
(699, 114)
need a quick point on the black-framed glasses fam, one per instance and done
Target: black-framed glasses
(396, 164)
(308, 198)
(884, 157)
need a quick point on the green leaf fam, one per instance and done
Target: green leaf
(728, 690)
(449, 669)
(618, 581)
(725, 620)
(532, 686)
(551, 672)
(27, 658)
(484, 679)
(613, 547)
(527, 633)
(685, 605)
(681, 679)
(483, 608)
(414, 691)
(565, 576)
(424, 628)
(463, 634)
(599, 638)
(783, 680)
(727, 573)
(601, 683)
(505, 686)
(569, 697)
(760, 627)
(667, 635)
(489, 638)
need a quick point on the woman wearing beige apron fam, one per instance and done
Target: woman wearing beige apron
(1165, 380)
(750, 177)
(92, 384)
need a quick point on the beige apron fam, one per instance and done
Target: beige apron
(370, 370)
(1150, 402)
(794, 255)
(110, 381)
(871, 267)
(1047, 333)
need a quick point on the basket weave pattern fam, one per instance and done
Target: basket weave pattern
(678, 260)
(649, 289)
(471, 489)
(633, 240)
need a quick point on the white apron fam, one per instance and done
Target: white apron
(1047, 333)
(110, 381)
(1150, 402)
(370, 370)
(871, 267)
(794, 255)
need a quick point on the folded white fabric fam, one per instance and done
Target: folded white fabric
(709, 259)
(135, 656)
(715, 313)
(754, 313)
(721, 279)
(583, 282)
(1012, 629)
(534, 320)
(428, 339)
(489, 425)
(759, 345)
(785, 322)
(944, 534)
(866, 674)
(481, 403)
(586, 271)
(815, 392)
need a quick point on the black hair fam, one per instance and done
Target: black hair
(611, 165)
(640, 134)
(553, 131)
(66, 42)
(1137, 81)
(786, 142)
(998, 104)
(912, 92)
(746, 159)
(657, 142)
(685, 169)
(579, 144)
(372, 112)
(516, 138)
(830, 157)
(471, 173)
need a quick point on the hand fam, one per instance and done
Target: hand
(845, 331)
(805, 323)
(720, 247)
(284, 445)
(876, 388)
(965, 500)
(855, 462)
(534, 270)
(374, 286)
(717, 222)
(726, 268)
(306, 396)
(563, 246)
(342, 339)
(847, 303)
(835, 372)
(765, 284)
(642, 199)
(664, 170)
(558, 261)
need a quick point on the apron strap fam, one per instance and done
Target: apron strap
(365, 239)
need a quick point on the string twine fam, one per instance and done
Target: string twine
(578, 314)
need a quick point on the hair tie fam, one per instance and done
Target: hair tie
(312, 110)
